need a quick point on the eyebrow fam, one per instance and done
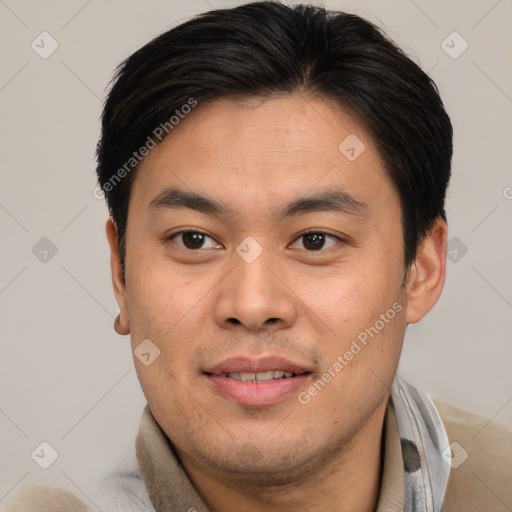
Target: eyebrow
(336, 200)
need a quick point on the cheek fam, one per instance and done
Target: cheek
(162, 296)
(352, 295)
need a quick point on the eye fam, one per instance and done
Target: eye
(193, 240)
(316, 240)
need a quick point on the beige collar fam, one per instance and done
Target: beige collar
(170, 489)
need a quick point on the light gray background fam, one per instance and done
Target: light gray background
(66, 377)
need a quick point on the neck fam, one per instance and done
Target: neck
(348, 480)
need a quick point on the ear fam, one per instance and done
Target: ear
(121, 325)
(427, 273)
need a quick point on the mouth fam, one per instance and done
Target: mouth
(265, 376)
(257, 382)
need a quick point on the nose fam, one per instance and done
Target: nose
(256, 296)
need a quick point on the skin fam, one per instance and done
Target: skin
(306, 305)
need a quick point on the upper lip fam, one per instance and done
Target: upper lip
(249, 365)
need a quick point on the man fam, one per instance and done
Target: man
(276, 179)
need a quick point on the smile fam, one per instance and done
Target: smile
(261, 376)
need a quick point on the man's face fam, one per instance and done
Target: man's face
(246, 291)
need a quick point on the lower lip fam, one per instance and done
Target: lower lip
(257, 393)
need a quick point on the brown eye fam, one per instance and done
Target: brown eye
(317, 240)
(193, 240)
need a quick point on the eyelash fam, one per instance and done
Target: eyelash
(304, 233)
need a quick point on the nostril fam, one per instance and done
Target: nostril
(234, 321)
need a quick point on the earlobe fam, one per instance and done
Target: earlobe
(427, 273)
(121, 323)
(121, 328)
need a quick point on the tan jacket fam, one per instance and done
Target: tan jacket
(480, 477)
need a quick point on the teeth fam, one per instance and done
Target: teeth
(259, 376)
(264, 375)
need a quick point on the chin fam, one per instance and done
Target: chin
(264, 463)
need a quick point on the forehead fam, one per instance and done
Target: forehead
(258, 151)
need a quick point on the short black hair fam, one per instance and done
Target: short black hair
(263, 49)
